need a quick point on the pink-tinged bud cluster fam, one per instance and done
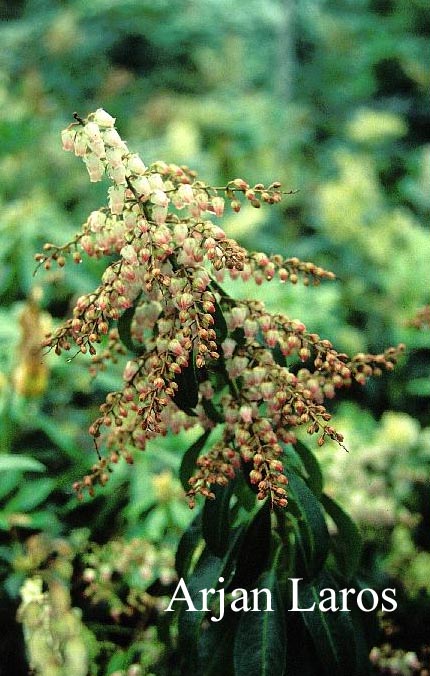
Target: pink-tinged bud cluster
(120, 563)
(183, 338)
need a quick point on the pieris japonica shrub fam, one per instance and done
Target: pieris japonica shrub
(193, 356)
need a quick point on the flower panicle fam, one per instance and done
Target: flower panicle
(190, 353)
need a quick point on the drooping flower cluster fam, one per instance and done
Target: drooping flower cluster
(422, 318)
(127, 566)
(197, 356)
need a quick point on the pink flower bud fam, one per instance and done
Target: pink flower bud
(159, 198)
(80, 144)
(175, 347)
(245, 413)
(238, 316)
(218, 205)
(142, 187)
(159, 214)
(271, 337)
(267, 390)
(130, 370)
(128, 252)
(116, 199)
(103, 119)
(156, 182)
(180, 232)
(262, 259)
(185, 301)
(113, 139)
(185, 193)
(87, 245)
(118, 174)
(135, 165)
(95, 167)
(92, 131)
(114, 157)
(67, 139)
(228, 347)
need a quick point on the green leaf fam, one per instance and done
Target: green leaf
(419, 387)
(312, 537)
(220, 324)
(260, 643)
(117, 662)
(188, 464)
(9, 481)
(21, 463)
(211, 411)
(205, 575)
(187, 394)
(124, 328)
(155, 523)
(46, 521)
(216, 519)
(312, 467)
(302, 659)
(30, 495)
(245, 495)
(255, 548)
(332, 632)
(347, 544)
(216, 646)
(188, 545)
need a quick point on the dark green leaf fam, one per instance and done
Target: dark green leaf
(124, 329)
(332, 632)
(260, 644)
(346, 544)
(205, 575)
(211, 411)
(312, 467)
(187, 394)
(216, 646)
(245, 495)
(216, 519)
(302, 659)
(188, 464)
(220, 324)
(187, 546)
(312, 535)
(255, 549)
(367, 634)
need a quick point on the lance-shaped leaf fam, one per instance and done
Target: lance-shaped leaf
(211, 411)
(255, 549)
(216, 646)
(312, 467)
(312, 537)
(332, 632)
(205, 575)
(260, 644)
(346, 544)
(188, 464)
(220, 324)
(188, 545)
(302, 659)
(124, 328)
(187, 394)
(20, 463)
(216, 519)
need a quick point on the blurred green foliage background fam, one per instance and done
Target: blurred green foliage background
(331, 97)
